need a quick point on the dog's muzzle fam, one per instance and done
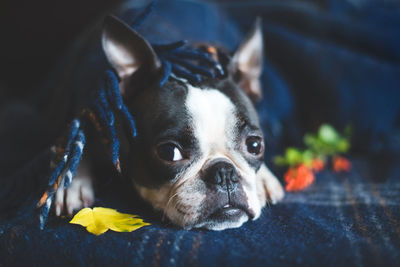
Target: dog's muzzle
(227, 200)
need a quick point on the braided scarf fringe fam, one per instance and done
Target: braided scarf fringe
(187, 63)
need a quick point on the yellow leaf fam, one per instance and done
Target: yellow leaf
(98, 220)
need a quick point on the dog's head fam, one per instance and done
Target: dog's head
(198, 156)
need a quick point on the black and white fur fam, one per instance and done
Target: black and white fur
(193, 157)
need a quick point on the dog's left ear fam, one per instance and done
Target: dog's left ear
(126, 50)
(246, 64)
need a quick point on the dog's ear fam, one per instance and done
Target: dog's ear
(125, 49)
(246, 64)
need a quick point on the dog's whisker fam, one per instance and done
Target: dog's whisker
(168, 203)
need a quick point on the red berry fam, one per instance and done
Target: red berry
(298, 178)
(341, 164)
(318, 164)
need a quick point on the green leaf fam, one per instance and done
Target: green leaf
(293, 156)
(328, 134)
(280, 161)
(348, 131)
(307, 157)
(343, 145)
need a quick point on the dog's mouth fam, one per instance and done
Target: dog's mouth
(227, 215)
(229, 212)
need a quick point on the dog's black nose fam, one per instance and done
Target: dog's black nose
(222, 174)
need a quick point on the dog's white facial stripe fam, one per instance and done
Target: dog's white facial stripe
(213, 119)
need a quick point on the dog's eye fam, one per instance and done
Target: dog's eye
(169, 152)
(254, 145)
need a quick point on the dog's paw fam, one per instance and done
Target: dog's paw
(269, 187)
(78, 195)
(275, 191)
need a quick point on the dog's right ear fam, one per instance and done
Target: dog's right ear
(126, 50)
(246, 63)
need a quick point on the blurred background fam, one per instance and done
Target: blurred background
(325, 60)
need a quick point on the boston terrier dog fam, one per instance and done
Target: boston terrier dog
(198, 156)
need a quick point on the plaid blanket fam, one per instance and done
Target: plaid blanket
(347, 219)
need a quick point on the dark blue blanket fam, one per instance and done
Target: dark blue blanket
(326, 61)
(341, 220)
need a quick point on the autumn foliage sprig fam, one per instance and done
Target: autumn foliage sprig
(327, 144)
